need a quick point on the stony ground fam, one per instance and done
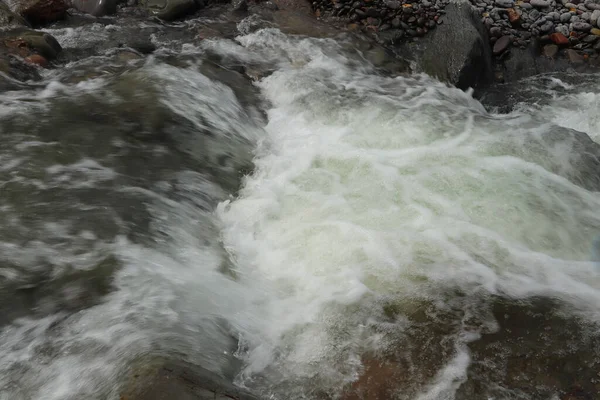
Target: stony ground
(566, 28)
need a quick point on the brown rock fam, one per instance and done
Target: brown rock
(559, 39)
(550, 50)
(514, 17)
(501, 45)
(574, 57)
(39, 12)
(595, 31)
(36, 59)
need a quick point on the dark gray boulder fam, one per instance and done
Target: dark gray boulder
(458, 51)
(97, 8)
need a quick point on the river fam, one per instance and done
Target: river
(284, 234)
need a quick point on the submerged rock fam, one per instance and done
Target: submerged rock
(96, 8)
(169, 10)
(181, 381)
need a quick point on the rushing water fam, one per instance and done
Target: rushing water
(388, 218)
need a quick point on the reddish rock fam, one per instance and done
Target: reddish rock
(36, 59)
(559, 39)
(574, 57)
(41, 11)
(514, 17)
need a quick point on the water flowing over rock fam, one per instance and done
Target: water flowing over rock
(241, 201)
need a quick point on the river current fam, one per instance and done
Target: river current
(285, 233)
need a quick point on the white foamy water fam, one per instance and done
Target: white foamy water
(371, 188)
(372, 197)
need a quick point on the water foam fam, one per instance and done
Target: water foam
(370, 187)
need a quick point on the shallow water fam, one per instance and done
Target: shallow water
(386, 218)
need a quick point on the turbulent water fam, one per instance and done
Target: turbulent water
(378, 218)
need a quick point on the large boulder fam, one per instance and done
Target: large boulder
(97, 8)
(458, 51)
(9, 18)
(39, 12)
(170, 10)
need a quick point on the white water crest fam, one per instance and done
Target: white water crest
(370, 187)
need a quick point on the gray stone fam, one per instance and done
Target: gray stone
(526, 6)
(96, 8)
(496, 31)
(554, 16)
(581, 7)
(565, 17)
(504, 3)
(595, 18)
(548, 26)
(393, 4)
(562, 29)
(585, 16)
(592, 6)
(461, 57)
(581, 26)
(570, 5)
(534, 15)
(540, 3)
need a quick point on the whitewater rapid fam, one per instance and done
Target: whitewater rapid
(372, 199)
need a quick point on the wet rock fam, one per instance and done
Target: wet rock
(170, 10)
(9, 18)
(36, 59)
(565, 17)
(179, 380)
(501, 45)
(240, 5)
(559, 38)
(574, 57)
(96, 8)
(595, 31)
(458, 51)
(39, 12)
(550, 50)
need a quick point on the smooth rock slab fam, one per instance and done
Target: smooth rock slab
(501, 45)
